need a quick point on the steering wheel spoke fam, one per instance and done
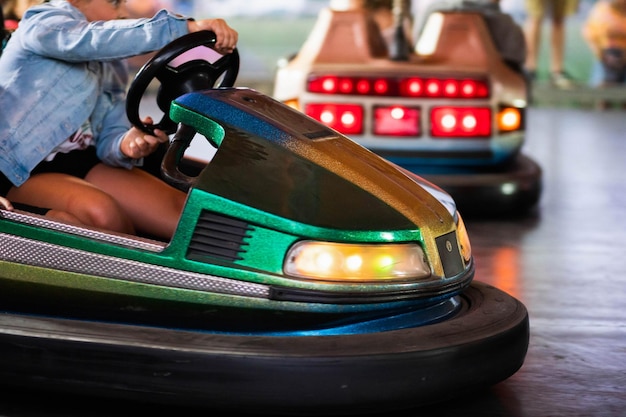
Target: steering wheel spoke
(165, 74)
(223, 64)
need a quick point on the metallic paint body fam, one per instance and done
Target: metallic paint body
(257, 176)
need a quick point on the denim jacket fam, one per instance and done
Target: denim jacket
(58, 70)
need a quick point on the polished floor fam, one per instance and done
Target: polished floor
(565, 261)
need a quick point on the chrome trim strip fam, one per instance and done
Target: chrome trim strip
(117, 239)
(46, 255)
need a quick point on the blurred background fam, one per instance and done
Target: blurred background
(272, 29)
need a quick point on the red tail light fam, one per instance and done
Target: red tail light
(397, 121)
(473, 89)
(344, 118)
(450, 88)
(460, 121)
(433, 88)
(324, 85)
(462, 88)
(412, 87)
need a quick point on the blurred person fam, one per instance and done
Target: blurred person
(558, 10)
(13, 10)
(395, 23)
(604, 30)
(67, 145)
(507, 35)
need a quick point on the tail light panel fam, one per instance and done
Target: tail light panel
(457, 120)
(460, 121)
(345, 118)
(426, 87)
(396, 121)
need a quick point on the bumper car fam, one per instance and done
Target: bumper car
(450, 108)
(307, 275)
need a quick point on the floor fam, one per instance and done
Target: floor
(564, 261)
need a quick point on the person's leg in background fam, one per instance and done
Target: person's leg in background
(535, 10)
(560, 9)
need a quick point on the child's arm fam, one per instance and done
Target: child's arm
(66, 35)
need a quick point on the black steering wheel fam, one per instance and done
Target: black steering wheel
(179, 71)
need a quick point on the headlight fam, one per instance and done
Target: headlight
(356, 262)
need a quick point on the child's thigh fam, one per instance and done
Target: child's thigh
(54, 190)
(135, 189)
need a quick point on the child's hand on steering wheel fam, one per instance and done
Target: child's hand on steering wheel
(226, 37)
(138, 144)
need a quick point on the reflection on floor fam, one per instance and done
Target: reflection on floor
(564, 261)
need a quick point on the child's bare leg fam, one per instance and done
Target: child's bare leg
(76, 197)
(153, 206)
(62, 216)
(57, 215)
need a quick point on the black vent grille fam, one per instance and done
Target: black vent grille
(219, 236)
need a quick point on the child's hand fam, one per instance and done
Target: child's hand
(6, 204)
(138, 144)
(226, 36)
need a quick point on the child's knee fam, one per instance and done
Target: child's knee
(103, 212)
(62, 216)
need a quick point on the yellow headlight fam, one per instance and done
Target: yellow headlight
(356, 262)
